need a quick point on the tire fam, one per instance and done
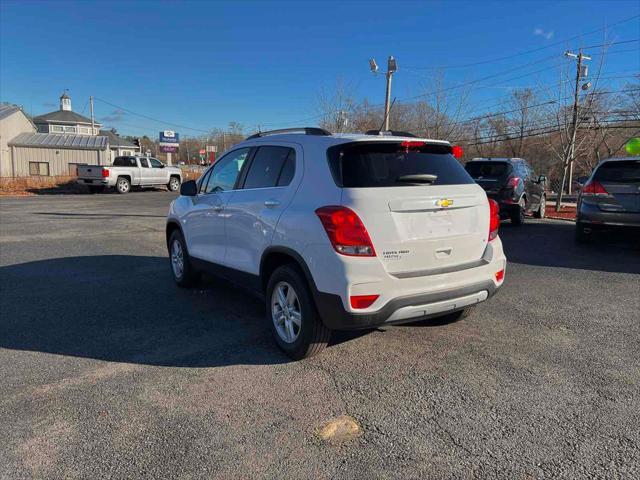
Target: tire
(96, 189)
(542, 208)
(517, 217)
(582, 236)
(123, 185)
(186, 276)
(174, 184)
(288, 288)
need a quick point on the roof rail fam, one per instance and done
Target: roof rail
(388, 133)
(307, 131)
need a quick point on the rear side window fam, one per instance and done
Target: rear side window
(124, 162)
(144, 163)
(487, 169)
(266, 167)
(389, 164)
(621, 171)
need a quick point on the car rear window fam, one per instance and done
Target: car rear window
(125, 162)
(487, 169)
(382, 164)
(620, 171)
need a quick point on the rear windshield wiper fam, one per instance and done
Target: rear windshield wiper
(419, 178)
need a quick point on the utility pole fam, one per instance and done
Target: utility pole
(93, 122)
(391, 69)
(570, 153)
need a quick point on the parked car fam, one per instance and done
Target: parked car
(340, 232)
(127, 172)
(610, 198)
(513, 184)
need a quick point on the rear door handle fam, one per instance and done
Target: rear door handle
(271, 203)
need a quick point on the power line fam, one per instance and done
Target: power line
(526, 52)
(151, 118)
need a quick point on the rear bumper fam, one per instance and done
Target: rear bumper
(403, 309)
(589, 213)
(93, 181)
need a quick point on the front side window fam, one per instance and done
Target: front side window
(267, 166)
(225, 173)
(156, 163)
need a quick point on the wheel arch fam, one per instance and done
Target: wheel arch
(172, 226)
(274, 257)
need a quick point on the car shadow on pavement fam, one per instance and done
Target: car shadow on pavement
(128, 309)
(551, 244)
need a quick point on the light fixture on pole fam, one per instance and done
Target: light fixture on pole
(392, 67)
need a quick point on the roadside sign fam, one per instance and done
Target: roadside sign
(202, 151)
(212, 148)
(169, 141)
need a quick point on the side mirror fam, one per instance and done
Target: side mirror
(162, 165)
(189, 188)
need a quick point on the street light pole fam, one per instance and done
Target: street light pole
(391, 69)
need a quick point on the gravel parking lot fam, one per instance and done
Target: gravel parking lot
(110, 371)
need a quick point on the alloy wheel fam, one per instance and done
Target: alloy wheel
(286, 312)
(177, 259)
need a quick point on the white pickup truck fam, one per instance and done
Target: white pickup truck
(127, 172)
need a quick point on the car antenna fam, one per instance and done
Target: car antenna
(384, 119)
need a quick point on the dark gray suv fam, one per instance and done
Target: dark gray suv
(513, 184)
(610, 198)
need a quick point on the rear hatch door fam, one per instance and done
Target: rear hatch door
(422, 210)
(621, 179)
(490, 175)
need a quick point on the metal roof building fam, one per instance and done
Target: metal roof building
(60, 141)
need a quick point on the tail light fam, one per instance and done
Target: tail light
(346, 231)
(457, 151)
(362, 301)
(105, 172)
(500, 275)
(494, 219)
(412, 144)
(594, 188)
(513, 182)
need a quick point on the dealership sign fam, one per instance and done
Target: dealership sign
(169, 141)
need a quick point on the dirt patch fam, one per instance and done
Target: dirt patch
(25, 186)
(40, 453)
(90, 377)
(565, 212)
(340, 429)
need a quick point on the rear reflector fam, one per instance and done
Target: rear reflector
(494, 219)
(362, 301)
(105, 172)
(500, 276)
(594, 188)
(346, 232)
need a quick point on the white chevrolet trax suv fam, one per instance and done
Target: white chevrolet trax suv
(340, 231)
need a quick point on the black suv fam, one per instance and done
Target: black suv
(513, 184)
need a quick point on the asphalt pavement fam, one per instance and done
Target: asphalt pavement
(108, 370)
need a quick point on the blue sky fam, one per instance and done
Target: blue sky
(204, 64)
